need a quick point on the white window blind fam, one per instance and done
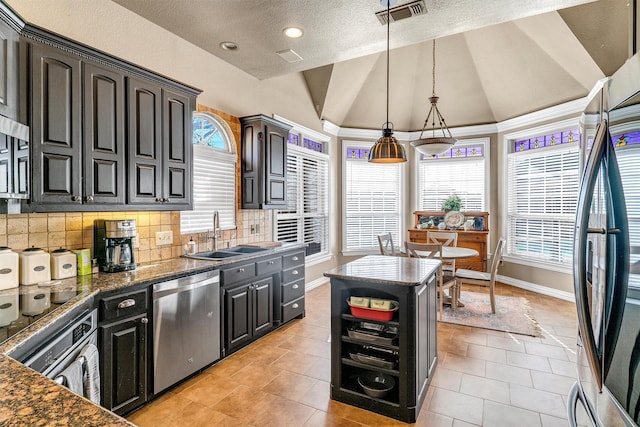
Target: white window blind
(628, 157)
(372, 202)
(440, 178)
(214, 176)
(542, 197)
(306, 218)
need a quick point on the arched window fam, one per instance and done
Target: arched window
(214, 175)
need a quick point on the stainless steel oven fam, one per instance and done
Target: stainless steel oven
(54, 356)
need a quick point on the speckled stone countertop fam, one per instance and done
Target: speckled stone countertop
(386, 269)
(30, 399)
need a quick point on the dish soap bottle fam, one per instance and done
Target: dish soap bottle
(191, 246)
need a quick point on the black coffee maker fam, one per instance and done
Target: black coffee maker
(113, 244)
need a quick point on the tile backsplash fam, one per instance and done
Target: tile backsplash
(50, 231)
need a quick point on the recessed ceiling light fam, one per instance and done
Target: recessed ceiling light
(293, 32)
(229, 46)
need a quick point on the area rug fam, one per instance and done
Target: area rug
(513, 314)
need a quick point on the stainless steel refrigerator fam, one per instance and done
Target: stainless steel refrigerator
(607, 257)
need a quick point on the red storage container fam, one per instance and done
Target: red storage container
(373, 313)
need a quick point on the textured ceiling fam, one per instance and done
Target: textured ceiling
(495, 59)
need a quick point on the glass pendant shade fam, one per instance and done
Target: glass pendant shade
(387, 149)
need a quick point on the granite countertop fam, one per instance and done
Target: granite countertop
(387, 269)
(29, 398)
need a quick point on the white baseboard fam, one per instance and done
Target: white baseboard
(544, 290)
(316, 283)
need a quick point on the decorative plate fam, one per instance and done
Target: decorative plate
(454, 219)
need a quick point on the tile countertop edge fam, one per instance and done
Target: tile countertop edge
(401, 271)
(29, 398)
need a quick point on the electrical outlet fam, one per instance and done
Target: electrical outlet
(253, 229)
(164, 238)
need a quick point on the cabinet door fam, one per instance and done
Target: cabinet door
(262, 293)
(21, 167)
(124, 364)
(251, 138)
(275, 166)
(145, 142)
(8, 71)
(6, 164)
(104, 139)
(55, 126)
(238, 317)
(177, 146)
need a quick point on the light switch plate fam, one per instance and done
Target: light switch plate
(164, 238)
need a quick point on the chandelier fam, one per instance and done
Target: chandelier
(440, 139)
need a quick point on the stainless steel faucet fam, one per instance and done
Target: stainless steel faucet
(216, 230)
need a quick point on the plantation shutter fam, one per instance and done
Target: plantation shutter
(372, 202)
(543, 192)
(214, 188)
(440, 178)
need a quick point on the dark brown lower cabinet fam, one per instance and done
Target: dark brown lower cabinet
(124, 364)
(248, 312)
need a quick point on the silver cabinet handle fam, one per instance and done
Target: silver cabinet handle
(272, 262)
(76, 198)
(295, 286)
(240, 270)
(159, 199)
(294, 272)
(166, 200)
(88, 199)
(295, 305)
(144, 320)
(295, 258)
(127, 303)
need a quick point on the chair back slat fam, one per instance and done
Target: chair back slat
(497, 257)
(386, 244)
(445, 238)
(423, 250)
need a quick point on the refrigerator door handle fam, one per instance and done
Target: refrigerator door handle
(585, 197)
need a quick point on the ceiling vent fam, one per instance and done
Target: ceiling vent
(289, 55)
(403, 11)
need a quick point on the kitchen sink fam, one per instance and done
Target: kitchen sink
(244, 250)
(227, 253)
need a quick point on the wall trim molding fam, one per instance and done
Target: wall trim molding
(295, 127)
(315, 283)
(539, 289)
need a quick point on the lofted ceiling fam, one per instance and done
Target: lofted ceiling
(495, 59)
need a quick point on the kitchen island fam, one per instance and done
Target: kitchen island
(403, 348)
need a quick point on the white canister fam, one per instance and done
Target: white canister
(34, 266)
(8, 268)
(63, 264)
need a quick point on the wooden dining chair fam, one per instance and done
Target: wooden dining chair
(445, 238)
(488, 279)
(386, 244)
(434, 251)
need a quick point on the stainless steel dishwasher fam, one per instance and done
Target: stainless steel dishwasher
(186, 327)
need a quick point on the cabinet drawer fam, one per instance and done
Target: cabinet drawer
(123, 305)
(269, 266)
(296, 258)
(237, 273)
(293, 309)
(292, 274)
(293, 290)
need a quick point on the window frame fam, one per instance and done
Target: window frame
(304, 132)
(508, 140)
(485, 142)
(226, 155)
(346, 143)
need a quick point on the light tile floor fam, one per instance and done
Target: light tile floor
(484, 378)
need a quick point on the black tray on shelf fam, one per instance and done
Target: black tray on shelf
(372, 337)
(367, 359)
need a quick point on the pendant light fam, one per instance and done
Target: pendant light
(434, 144)
(387, 149)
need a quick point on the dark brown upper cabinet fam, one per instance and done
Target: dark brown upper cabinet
(106, 134)
(9, 45)
(264, 162)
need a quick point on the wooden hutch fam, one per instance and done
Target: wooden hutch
(475, 238)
